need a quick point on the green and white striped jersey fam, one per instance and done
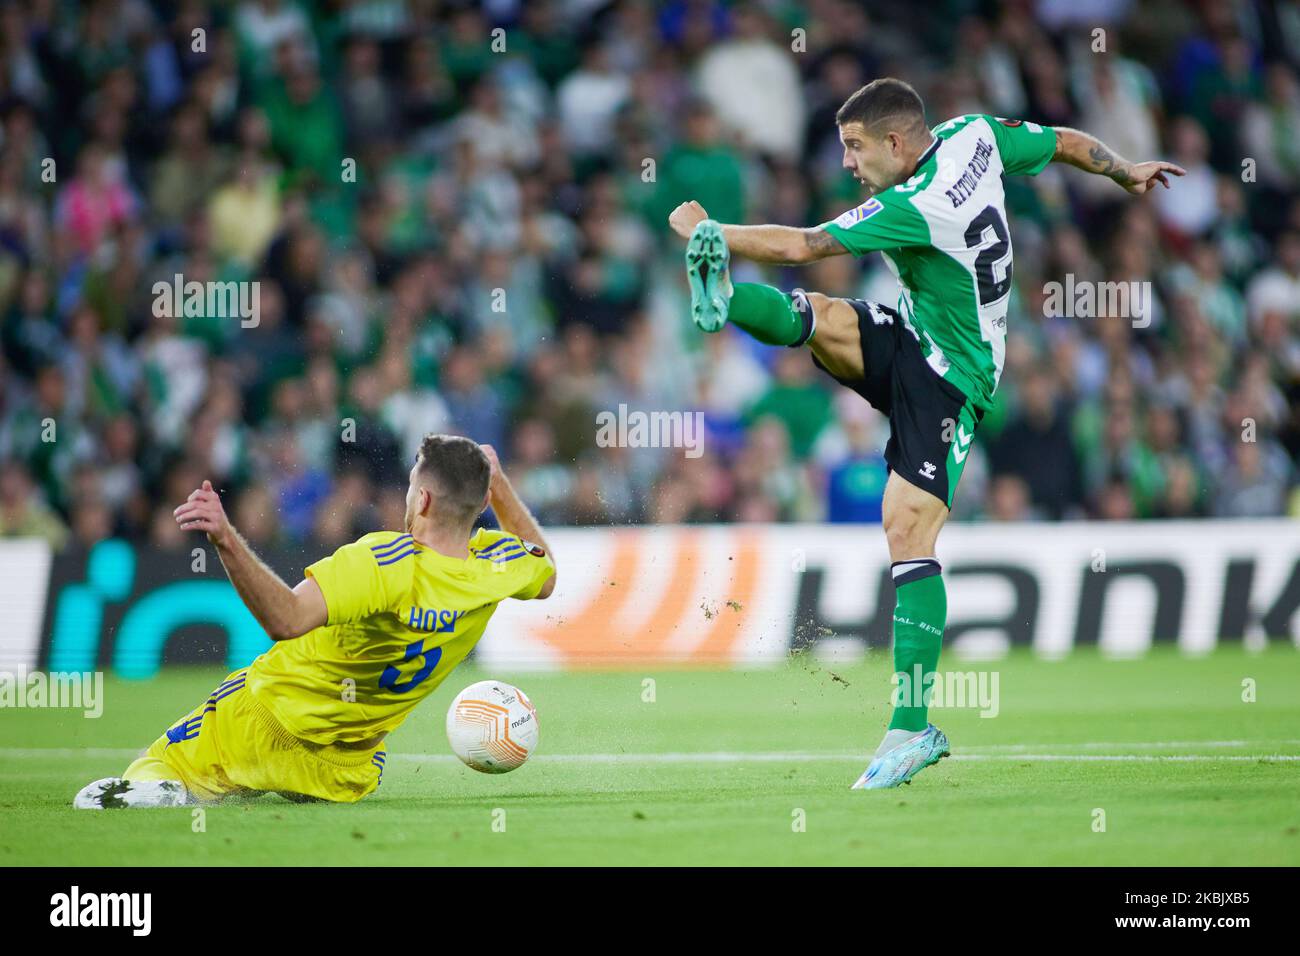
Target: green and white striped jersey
(944, 234)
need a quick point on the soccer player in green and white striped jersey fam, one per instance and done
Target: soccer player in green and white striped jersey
(937, 213)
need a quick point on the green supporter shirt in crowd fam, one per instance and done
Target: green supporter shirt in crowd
(711, 175)
(944, 235)
(804, 409)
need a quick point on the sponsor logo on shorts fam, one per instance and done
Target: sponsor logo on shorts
(879, 315)
(927, 470)
(961, 447)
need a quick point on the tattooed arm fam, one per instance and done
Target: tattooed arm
(1093, 156)
(784, 245)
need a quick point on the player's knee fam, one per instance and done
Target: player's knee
(900, 530)
(819, 302)
(909, 532)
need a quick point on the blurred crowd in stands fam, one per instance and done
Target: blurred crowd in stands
(455, 217)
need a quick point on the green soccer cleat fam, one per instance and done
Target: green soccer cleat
(707, 258)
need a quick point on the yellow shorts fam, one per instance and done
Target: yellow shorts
(231, 744)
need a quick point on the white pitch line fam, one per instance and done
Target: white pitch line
(730, 756)
(1143, 758)
(1132, 745)
(759, 757)
(129, 753)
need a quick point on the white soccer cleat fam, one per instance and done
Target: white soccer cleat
(900, 764)
(114, 793)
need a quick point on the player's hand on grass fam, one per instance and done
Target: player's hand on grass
(203, 511)
(686, 217)
(1142, 177)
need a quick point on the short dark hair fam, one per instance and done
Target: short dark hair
(460, 470)
(884, 102)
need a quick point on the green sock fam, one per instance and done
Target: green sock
(919, 617)
(766, 313)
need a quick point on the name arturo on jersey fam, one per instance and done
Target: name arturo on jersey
(943, 233)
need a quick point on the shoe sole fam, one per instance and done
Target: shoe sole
(707, 258)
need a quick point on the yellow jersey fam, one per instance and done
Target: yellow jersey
(400, 618)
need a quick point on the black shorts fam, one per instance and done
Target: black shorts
(931, 421)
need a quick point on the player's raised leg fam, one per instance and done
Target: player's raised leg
(834, 336)
(765, 312)
(912, 519)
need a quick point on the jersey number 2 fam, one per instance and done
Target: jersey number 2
(388, 679)
(988, 233)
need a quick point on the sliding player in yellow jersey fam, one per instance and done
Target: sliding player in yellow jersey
(367, 634)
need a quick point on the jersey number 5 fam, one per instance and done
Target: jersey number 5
(388, 679)
(988, 233)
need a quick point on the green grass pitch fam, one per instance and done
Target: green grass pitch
(723, 766)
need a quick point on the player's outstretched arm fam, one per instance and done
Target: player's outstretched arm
(513, 514)
(781, 245)
(282, 611)
(1090, 154)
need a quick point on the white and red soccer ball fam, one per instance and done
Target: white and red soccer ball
(492, 726)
